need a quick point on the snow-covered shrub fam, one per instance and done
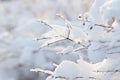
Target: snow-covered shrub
(82, 49)
(95, 41)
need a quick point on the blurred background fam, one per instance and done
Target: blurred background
(18, 27)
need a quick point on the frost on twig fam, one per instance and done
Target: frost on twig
(67, 23)
(45, 24)
(51, 41)
(41, 70)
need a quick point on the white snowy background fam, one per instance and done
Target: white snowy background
(59, 40)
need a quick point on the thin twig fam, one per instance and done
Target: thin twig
(41, 70)
(36, 39)
(108, 71)
(67, 23)
(45, 24)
